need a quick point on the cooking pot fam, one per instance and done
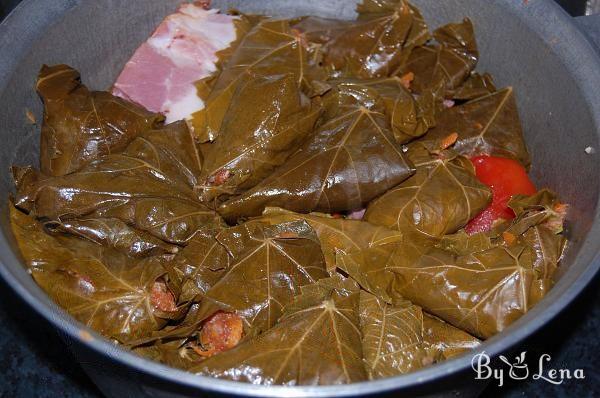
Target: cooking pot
(532, 45)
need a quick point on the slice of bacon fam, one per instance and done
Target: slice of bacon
(182, 50)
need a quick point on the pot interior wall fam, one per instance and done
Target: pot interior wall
(97, 37)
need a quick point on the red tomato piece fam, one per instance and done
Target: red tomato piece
(506, 177)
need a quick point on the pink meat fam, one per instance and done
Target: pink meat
(161, 74)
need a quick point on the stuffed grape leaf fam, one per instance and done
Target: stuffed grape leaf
(480, 291)
(337, 235)
(264, 124)
(269, 265)
(81, 125)
(445, 65)
(317, 341)
(173, 353)
(393, 340)
(410, 117)
(270, 48)
(199, 265)
(372, 46)
(114, 233)
(149, 186)
(351, 159)
(486, 125)
(443, 196)
(539, 225)
(100, 287)
(373, 268)
(475, 86)
(447, 339)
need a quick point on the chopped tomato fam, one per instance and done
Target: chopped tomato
(506, 177)
(220, 332)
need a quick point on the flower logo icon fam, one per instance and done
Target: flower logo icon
(518, 369)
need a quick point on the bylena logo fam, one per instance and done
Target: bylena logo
(519, 369)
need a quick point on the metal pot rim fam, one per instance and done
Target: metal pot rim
(567, 41)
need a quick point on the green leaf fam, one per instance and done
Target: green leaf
(81, 125)
(447, 339)
(481, 293)
(270, 48)
(149, 186)
(351, 159)
(393, 340)
(372, 46)
(442, 197)
(269, 265)
(337, 235)
(445, 65)
(316, 342)
(264, 124)
(100, 287)
(486, 125)
(174, 353)
(475, 86)
(200, 265)
(410, 117)
(114, 233)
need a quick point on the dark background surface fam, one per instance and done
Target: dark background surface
(34, 362)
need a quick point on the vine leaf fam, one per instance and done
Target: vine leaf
(267, 120)
(270, 48)
(269, 265)
(336, 235)
(372, 46)
(317, 341)
(100, 287)
(443, 196)
(486, 125)
(81, 125)
(149, 186)
(392, 339)
(351, 159)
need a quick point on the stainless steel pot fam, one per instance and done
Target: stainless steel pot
(533, 46)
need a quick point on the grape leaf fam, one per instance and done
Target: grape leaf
(481, 292)
(475, 86)
(149, 186)
(269, 265)
(351, 159)
(392, 339)
(81, 125)
(443, 196)
(114, 233)
(264, 124)
(100, 287)
(447, 339)
(446, 65)
(316, 342)
(410, 116)
(337, 235)
(486, 125)
(372, 46)
(270, 48)
(199, 265)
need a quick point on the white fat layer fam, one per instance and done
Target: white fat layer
(205, 30)
(184, 107)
